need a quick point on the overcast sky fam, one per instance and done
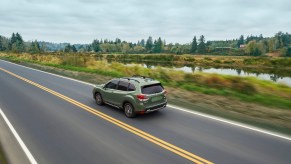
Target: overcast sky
(81, 21)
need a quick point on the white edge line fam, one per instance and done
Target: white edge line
(51, 73)
(23, 146)
(231, 122)
(181, 109)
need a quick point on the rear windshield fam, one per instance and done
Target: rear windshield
(152, 89)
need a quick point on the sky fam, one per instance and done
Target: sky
(176, 21)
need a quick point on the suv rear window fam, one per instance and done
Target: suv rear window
(152, 89)
(131, 87)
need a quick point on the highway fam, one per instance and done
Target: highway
(59, 122)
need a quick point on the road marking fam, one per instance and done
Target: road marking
(177, 150)
(232, 123)
(282, 136)
(79, 81)
(19, 140)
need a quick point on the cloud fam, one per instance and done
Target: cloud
(80, 21)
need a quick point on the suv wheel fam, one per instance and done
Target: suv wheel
(98, 99)
(129, 110)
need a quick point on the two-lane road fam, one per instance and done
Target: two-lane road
(59, 122)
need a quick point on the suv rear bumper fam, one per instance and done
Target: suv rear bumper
(155, 108)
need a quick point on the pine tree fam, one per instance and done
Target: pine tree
(158, 45)
(201, 45)
(1, 44)
(96, 45)
(34, 47)
(142, 42)
(240, 41)
(149, 44)
(12, 41)
(67, 48)
(193, 45)
(16, 43)
(73, 48)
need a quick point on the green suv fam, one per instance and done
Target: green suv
(135, 95)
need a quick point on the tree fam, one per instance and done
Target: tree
(139, 49)
(149, 44)
(201, 46)
(193, 45)
(73, 48)
(34, 47)
(96, 45)
(125, 48)
(240, 41)
(142, 42)
(253, 49)
(158, 45)
(67, 48)
(117, 41)
(1, 44)
(288, 51)
(16, 43)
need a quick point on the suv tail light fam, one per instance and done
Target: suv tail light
(165, 92)
(142, 97)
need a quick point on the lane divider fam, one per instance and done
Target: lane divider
(19, 140)
(166, 145)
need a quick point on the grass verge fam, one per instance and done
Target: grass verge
(2, 156)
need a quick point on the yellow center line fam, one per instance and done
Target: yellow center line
(179, 151)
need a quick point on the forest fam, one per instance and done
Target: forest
(279, 44)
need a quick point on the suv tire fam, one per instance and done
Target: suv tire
(129, 110)
(99, 99)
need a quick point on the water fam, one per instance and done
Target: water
(275, 77)
(239, 72)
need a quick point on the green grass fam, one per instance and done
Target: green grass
(2, 157)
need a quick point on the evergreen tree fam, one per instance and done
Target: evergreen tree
(73, 48)
(16, 43)
(240, 41)
(149, 44)
(201, 46)
(117, 41)
(34, 47)
(1, 44)
(158, 45)
(193, 45)
(142, 42)
(67, 48)
(96, 45)
(12, 40)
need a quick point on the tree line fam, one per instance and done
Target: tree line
(251, 45)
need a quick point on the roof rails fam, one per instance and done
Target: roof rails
(128, 78)
(144, 77)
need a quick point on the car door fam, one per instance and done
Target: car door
(120, 93)
(108, 91)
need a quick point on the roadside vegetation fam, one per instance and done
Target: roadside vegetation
(2, 156)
